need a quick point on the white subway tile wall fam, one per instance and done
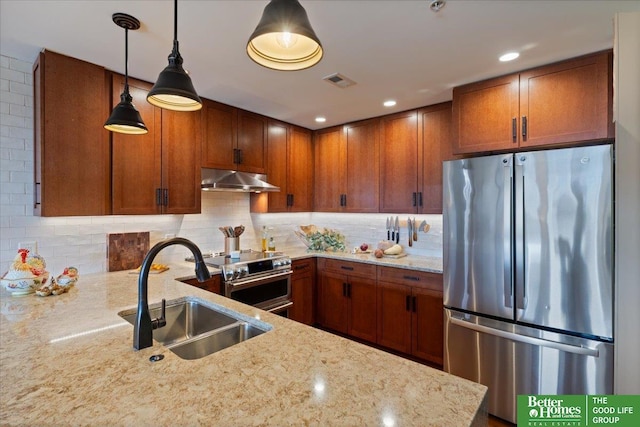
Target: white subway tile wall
(81, 241)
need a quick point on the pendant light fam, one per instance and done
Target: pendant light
(125, 118)
(173, 89)
(284, 39)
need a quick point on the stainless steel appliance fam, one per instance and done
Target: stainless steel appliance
(263, 281)
(528, 273)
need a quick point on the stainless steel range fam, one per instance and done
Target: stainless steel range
(260, 280)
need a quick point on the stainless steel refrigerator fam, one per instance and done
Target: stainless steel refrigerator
(528, 273)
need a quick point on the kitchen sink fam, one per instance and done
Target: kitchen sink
(196, 328)
(218, 340)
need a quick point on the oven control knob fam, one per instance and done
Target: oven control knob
(228, 274)
(242, 271)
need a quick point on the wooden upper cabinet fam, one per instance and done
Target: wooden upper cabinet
(558, 104)
(181, 177)
(71, 147)
(485, 115)
(435, 135)
(219, 135)
(233, 139)
(567, 102)
(277, 165)
(300, 170)
(158, 172)
(330, 169)
(399, 162)
(252, 137)
(136, 159)
(362, 187)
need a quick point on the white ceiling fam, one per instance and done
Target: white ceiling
(392, 49)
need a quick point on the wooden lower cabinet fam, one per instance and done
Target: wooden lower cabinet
(303, 291)
(214, 284)
(410, 316)
(347, 298)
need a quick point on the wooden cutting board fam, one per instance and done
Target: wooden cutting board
(126, 251)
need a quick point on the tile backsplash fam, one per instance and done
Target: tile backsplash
(81, 241)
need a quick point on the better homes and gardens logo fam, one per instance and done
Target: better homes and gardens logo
(578, 410)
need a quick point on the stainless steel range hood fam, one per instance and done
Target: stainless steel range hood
(228, 180)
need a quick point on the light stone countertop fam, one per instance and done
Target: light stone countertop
(69, 360)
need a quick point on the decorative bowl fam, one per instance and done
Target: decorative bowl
(24, 286)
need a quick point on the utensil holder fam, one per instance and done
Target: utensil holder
(231, 244)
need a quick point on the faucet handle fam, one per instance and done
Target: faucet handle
(160, 321)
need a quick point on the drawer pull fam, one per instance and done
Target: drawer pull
(345, 267)
(413, 278)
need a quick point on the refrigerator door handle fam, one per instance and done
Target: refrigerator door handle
(520, 255)
(507, 231)
(585, 351)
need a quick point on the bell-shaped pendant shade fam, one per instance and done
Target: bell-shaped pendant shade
(125, 118)
(173, 89)
(284, 39)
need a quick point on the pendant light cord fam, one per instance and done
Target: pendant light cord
(175, 20)
(126, 60)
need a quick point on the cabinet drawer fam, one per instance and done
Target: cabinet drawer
(347, 267)
(419, 279)
(302, 267)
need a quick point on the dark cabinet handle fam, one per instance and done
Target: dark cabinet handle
(415, 199)
(291, 204)
(420, 198)
(235, 156)
(239, 157)
(346, 267)
(514, 129)
(413, 278)
(408, 303)
(158, 196)
(301, 267)
(36, 194)
(165, 194)
(524, 128)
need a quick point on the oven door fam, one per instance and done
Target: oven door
(271, 292)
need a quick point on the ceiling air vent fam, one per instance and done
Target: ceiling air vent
(339, 80)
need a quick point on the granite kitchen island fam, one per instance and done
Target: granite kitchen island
(69, 360)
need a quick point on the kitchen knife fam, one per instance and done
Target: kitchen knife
(410, 231)
(388, 229)
(393, 229)
(397, 228)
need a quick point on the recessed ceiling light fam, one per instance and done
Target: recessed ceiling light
(389, 103)
(509, 56)
(321, 119)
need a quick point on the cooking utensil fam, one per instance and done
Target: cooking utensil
(237, 231)
(415, 230)
(397, 228)
(388, 229)
(393, 229)
(409, 232)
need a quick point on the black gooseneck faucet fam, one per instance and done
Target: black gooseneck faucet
(144, 325)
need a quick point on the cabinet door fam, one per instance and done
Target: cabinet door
(399, 162)
(428, 325)
(71, 147)
(362, 167)
(303, 291)
(277, 137)
(362, 308)
(332, 303)
(212, 285)
(329, 159)
(485, 115)
(394, 316)
(300, 170)
(181, 161)
(435, 125)
(219, 135)
(566, 102)
(252, 139)
(136, 159)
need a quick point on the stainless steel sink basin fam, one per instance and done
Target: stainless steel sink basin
(196, 328)
(216, 341)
